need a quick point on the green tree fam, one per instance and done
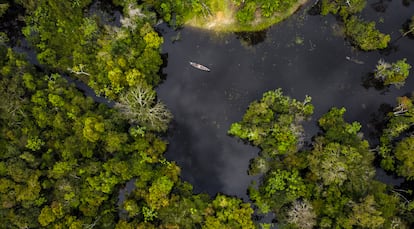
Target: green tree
(228, 212)
(364, 35)
(365, 214)
(246, 14)
(394, 153)
(403, 154)
(394, 73)
(3, 8)
(273, 123)
(342, 7)
(279, 188)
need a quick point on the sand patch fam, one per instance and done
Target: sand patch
(220, 19)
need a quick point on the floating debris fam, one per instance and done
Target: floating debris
(354, 60)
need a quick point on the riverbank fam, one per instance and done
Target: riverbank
(222, 18)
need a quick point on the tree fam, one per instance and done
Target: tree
(228, 212)
(395, 147)
(410, 29)
(340, 157)
(364, 35)
(301, 214)
(273, 123)
(278, 189)
(342, 7)
(158, 193)
(366, 215)
(395, 73)
(139, 106)
(3, 8)
(404, 157)
(246, 14)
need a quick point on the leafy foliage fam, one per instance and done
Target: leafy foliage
(396, 142)
(328, 186)
(342, 7)
(64, 159)
(228, 213)
(240, 15)
(273, 123)
(267, 8)
(394, 73)
(3, 8)
(364, 34)
(110, 59)
(361, 34)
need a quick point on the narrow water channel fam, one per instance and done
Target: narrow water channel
(304, 55)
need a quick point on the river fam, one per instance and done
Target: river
(304, 55)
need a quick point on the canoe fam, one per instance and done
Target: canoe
(199, 66)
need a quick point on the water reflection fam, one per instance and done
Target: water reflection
(205, 104)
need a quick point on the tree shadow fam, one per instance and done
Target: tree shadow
(369, 81)
(407, 3)
(252, 38)
(164, 58)
(407, 185)
(315, 9)
(378, 121)
(406, 29)
(380, 6)
(390, 49)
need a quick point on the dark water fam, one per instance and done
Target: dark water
(304, 55)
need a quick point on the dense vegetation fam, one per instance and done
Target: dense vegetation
(65, 158)
(396, 140)
(66, 161)
(227, 15)
(328, 184)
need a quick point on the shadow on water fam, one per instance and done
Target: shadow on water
(377, 122)
(380, 6)
(406, 28)
(252, 38)
(407, 3)
(369, 81)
